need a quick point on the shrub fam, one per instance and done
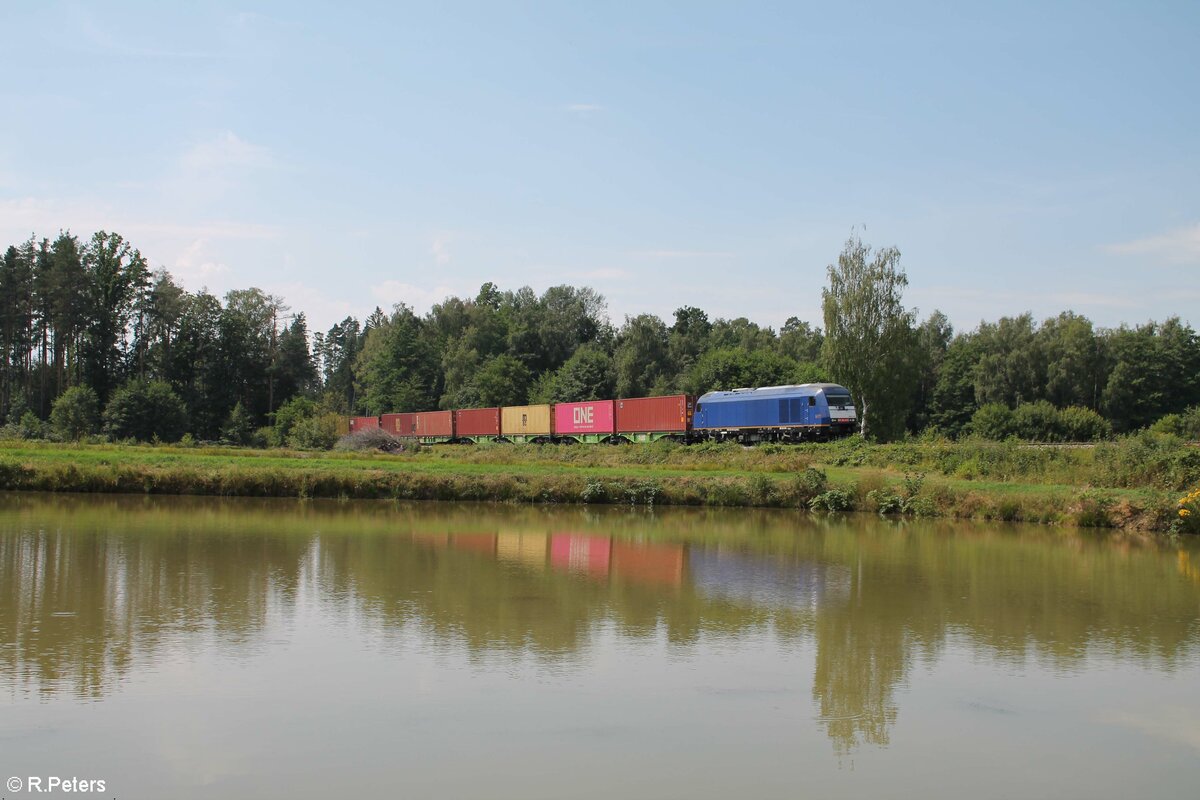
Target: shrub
(1187, 513)
(1037, 422)
(808, 484)
(1185, 425)
(994, 421)
(315, 433)
(1084, 425)
(291, 413)
(76, 413)
(238, 428)
(832, 500)
(145, 411)
(31, 426)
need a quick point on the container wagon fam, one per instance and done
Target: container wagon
(399, 424)
(648, 419)
(527, 424)
(592, 421)
(477, 425)
(357, 424)
(805, 412)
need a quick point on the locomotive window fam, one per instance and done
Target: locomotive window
(812, 399)
(837, 400)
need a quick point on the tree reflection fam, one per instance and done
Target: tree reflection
(92, 589)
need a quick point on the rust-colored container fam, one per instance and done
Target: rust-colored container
(343, 426)
(477, 422)
(589, 417)
(434, 424)
(526, 421)
(400, 424)
(671, 414)
(363, 424)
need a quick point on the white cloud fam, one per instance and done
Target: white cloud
(226, 150)
(1180, 246)
(583, 108)
(419, 298)
(674, 254)
(195, 266)
(440, 249)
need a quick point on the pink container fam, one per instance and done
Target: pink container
(590, 416)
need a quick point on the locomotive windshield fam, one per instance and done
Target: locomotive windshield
(837, 399)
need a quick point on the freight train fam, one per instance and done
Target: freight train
(805, 412)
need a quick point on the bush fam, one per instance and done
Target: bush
(145, 411)
(1037, 422)
(76, 413)
(315, 433)
(994, 421)
(291, 413)
(238, 428)
(1084, 425)
(1185, 425)
(832, 500)
(1187, 513)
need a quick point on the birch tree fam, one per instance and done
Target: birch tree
(869, 335)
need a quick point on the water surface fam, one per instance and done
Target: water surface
(200, 648)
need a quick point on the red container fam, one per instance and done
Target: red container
(590, 416)
(477, 422)
(363, 424)
(654, 414)
(434, 423)
(578, 553)
(400, 424)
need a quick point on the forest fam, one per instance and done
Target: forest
(96, 343)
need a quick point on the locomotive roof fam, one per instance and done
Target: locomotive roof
(791, 390)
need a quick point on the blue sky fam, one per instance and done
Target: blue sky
(1022, 156)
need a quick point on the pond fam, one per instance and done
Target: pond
(202, 648)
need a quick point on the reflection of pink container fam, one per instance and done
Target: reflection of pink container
(577, 553)
(591, 416)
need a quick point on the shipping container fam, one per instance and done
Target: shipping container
(434, 425)
(400, 424)
(589, 421)
(526, 423)
(644, 419)
(580, 553)
(343, 426)
(477, 423)
(363, 424)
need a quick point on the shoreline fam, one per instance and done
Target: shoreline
(817, 480)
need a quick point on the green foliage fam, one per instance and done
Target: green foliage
(732, 368)
(1185, 425)
(145, 411)
(76, 413)
(238, 428)
(288, 415)
(317, 432)
(31, 426)
(832, 500)
(586, 375)
(1039, 422)
(869, 339)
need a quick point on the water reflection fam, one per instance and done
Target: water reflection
(93, 589)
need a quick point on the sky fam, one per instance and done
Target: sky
(1022, 156)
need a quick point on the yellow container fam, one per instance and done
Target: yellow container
(525, 421)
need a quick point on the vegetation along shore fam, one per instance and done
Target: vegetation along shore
(1137, 483)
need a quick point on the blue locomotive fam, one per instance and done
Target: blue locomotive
(805, 412)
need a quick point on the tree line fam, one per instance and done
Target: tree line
(88, 326)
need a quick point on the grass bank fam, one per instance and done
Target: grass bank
(1131, 484)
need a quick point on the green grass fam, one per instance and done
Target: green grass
(1131, 486)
